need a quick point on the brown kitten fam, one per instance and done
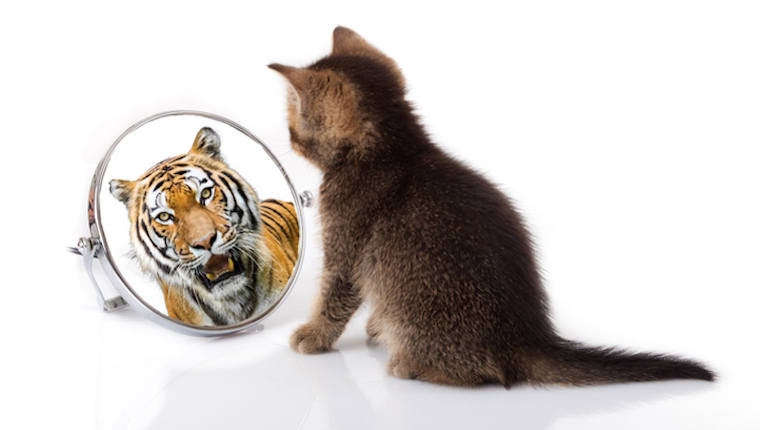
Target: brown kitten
(438, 251)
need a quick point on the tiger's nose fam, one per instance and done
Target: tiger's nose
(205, 243)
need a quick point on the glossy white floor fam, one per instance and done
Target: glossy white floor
(144, 378)
(627, 135)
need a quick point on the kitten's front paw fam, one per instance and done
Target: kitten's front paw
(373, 328)
(309, 339)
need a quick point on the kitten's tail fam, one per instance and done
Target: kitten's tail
(571, 363)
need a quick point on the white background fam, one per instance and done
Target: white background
(626, 132)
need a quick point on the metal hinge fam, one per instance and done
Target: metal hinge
(89, 249)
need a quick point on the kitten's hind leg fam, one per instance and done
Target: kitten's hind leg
(403, 366)
(334, 306)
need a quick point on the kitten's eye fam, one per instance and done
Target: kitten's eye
(165, 218)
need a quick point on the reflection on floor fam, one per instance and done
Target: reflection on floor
(254, 380)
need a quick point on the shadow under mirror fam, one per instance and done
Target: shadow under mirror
(199, 220)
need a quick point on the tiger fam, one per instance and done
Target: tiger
(219, 255)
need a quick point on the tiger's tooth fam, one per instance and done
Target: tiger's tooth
(230, 264)
(210, 276)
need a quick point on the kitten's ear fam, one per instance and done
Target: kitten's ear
(295, 76)
(298, 80)
(348, 42)
(207, 143)
(122, 190)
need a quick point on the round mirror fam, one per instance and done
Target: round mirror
(195, 223)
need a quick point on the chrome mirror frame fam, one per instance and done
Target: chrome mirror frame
(96, 245)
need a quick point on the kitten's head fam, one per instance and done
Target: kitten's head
(339, 106)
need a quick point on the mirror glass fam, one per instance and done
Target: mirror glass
(199, 220)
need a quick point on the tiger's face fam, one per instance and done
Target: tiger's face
(195, 222)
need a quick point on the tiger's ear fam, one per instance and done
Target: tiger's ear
(207, 143)
(122, 190)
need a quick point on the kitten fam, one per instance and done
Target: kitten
(441, 255)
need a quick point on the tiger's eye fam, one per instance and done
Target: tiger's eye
(164, 216)
(206, 193)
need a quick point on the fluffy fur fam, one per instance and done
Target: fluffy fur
(441, 255)
(218, 254)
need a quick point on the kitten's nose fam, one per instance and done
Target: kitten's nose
(205, 243)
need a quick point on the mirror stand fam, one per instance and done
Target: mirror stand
(89, 247)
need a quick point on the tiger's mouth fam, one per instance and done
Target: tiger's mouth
(219, 268)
